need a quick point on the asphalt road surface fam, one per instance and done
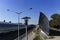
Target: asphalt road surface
(13, 34)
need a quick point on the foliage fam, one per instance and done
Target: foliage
(55, 21)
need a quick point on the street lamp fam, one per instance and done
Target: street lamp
(19, 17)
(26, 24)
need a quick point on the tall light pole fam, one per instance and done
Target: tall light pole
(19, 17)
(26, 24)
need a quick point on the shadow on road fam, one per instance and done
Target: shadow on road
(54, 33)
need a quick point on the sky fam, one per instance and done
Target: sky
(48, 7)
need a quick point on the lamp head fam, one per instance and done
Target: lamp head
(8, 10)
(30, 8)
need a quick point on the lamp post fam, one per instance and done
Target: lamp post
(19, 17)
(26, 24)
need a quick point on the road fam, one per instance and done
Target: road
(54, 33)
(13, 34)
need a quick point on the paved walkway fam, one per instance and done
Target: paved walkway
(30, 36)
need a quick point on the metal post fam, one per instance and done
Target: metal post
(18, 24)
(26, 33)
(19, 20)
(26, 24)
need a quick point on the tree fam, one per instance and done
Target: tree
(55, 21)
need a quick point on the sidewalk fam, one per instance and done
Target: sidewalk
(30, 36)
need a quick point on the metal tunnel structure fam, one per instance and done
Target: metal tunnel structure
(44, 23)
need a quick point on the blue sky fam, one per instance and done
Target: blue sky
(48, 7)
